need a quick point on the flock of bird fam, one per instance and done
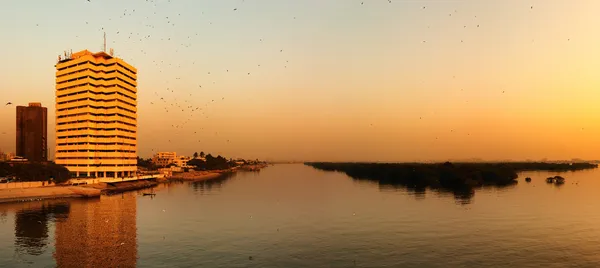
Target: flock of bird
(166, 99)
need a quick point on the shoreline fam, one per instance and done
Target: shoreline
(119, 187)
(96, 190)
(48, 192)
(198, 175)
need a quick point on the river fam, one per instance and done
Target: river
(295, 216)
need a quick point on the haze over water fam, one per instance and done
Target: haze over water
(296, 216)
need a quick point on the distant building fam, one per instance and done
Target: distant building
(182, 161)
(168, 171)
(163, 159)
(96, 115)
(19, 159)
(3, 157)
(32, 132)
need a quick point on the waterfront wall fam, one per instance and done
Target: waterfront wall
(28, 184)
(109, 180)
(34, 184)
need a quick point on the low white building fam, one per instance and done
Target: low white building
(181, 161)
(163, 159)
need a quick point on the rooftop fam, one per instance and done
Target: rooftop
(71, 56)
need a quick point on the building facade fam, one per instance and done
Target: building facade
(96, 115)
(182, 161)
(163, 159)
(32, 132)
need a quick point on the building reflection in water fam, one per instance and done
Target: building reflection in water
(31, 226)
(206, 186)
(98, 233)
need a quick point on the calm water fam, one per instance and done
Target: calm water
(295, 216)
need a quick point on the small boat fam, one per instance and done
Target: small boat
(559, 180)
(550, 179)
(528, 179)
(150, 194)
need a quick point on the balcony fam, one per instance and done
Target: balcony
(93, 74)
(91, 139)
(97, 125)
(94, 154)
(83, 99)
(109, 83)
(96, 91)
(100, 112)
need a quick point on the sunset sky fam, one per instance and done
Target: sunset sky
(338, 80)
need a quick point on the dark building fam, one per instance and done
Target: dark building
(32, 132)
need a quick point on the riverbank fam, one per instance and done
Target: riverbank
(212, 174)
(97, 189)
(82, 191)
(119, 187)
(198, 175)
(48, 192)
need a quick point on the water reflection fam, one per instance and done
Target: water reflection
(3, 216)
(207, 186)
(98, 233)
(31, 227)
(461, 196)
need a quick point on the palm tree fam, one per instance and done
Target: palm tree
(195, 155)
(202, 155)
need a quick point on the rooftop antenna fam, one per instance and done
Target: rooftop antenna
(104, 47)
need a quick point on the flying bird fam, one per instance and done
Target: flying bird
(9, 103)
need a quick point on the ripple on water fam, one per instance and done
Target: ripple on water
(294, 216)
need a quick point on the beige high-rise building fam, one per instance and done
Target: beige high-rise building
(96, 115)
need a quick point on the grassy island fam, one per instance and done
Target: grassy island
(450, 176)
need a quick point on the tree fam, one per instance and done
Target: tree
(202, 155)
(195, 155)
(198, 163)
(211, 163)
(35, 172)
(146, 163)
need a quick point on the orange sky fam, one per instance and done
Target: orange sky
(372, 82)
